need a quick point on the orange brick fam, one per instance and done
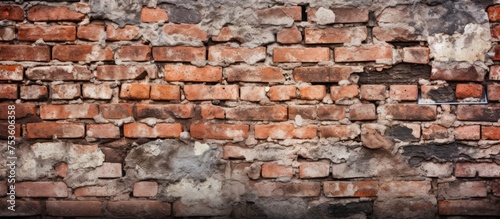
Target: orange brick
(8, 91)
(192, 73)
(490, 132)
(495, 33)
(11, 12)
(257, 113)
(11, 72)
(27, 32)
(254, 74)
(135, 91)
(219, 131)
(211, 92)
(403, 92)
(469, 90)
(154, 15)
(335, 35)
(109, 170)
(226, 34)
(339, 131)
(314, 92)
(209, 111)
(363, 53)
(91, 32)
(343, 92)
(300, 54)
(272, 170)
(275, 15)
(179, 54)
(494, 13)
(331, 112)
(87, 53)
(404, 188)
(470, 132)
(24, 53)
(126, 33)
(53, 13)
(289, 35)
(309, 170)
(165, 92)
(160, 130)
(61, 169)
(227, 54)
(165, 111)
(134, 53)
(103, 131)
(41, 189)
(145, 189)
(73, 111)
(34, 92)
(350, 189)
(284, 131)
(116, 110)
(282, 92)
(193, 32)
(373, 92)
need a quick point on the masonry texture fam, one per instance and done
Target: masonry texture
(251, 109)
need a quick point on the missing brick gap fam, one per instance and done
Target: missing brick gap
(304, 12)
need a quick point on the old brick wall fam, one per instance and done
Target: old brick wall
(251, 109)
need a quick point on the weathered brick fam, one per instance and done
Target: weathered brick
(145, 189)
(73, 111)
(462, 189)
(41, 189)
(362, 112)
(97, 91)
(209, 111)
(254, 74)
(293, 189)
(282, 92)
(34, 92)
(91, 32)
(227, 34)
(280, 15)
(135, 91)
(61, 169)
(496, 50)
(49, 130)
(417, 55)
(494, 92)
(234, 152)
(313, 92)
(227, 54)
(190, 31)
(323, 74)
(301, 54)
(495, 187)
(330, 112)
(160, 130)
(284, 131)
(116, 110)
(5, 132)
(7, 33)
(11, 72)
(373, 92)
(469, 90)
(257, 113)
(125, 72)
(469, 132)
(339, 131)
(134, 53)
(495, 33)
(154, 15)
(192, 73)
(211, 92)
(64, 91)
(179, 54)
(490, 132)
(103, 131)
(335, 35)
(219, 131)
(128, 32)
(74, 208)
(477, 169)
(363, 53)
(88, 53)
(404, 188)
(59, 73)
(109, 170)
(28, 32)
(342, 15)
(165, 111)
(53, 13)
(435, 132)
(495, 72)
(403, 92)
(253, 93)
(3, 188)
(24, 53)
(11, 12)
(273, 170)
(289, 35)
(23, 208)
(309, 170)
(350, 189)
(8, 91)
(478, 113)
(344, 92)
(411, 112)
(165, 92)
(494, 13)
(483, 207)
(457, 72)
(22, 110)
(305, 112)
(93, 191)
(145, 208)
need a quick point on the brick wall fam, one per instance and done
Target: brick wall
(252, 109)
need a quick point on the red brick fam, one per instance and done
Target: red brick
(435, 132)
(22, 110)
(59, 73)
(179, 54)
(211, 92)
(97, 91)
(227, 54)
(284, 131)
(313, 92)
(363, 53)
(411, 112)
(7, 33)
(293, 189)
(134, 53)
(339, 131)
(331, 112)
(490, 132)
(457, 72)
(496, 50)
(495, 187)
(190, 31)
(160, 130)
(28, 32)
(192, 73)
(145, 189)
(212, 112)
(88, 53)
(4, 133)
(469, 90)
(344, 92)
(219, 131)
(53, 13)
(64, 91)
(362, 112)
(11, 72)
(61, 169)
(289, 35)
(305, 112)
(254, 74)
(34, 92)
(109, 170)
(495, 72)
(257, 113)
(125, 72)
(93, 191)
(154, 15)
(309, 170)
(73, 111)
(301, 54)
(91, 32)
(226, 34)
(126, 33)
(41, 189)
(145, 208)
(335, 35)
(24, 53)
(8, 91)
(494, 13)
(494, 92)
(483, 207)
(165, 111)
(273, 170)
(404, 92)
(275, 15)
(478, 113)
(49, 130)
(404, 188)
(495, 33)
(165, 92)
(253, 93)
(135, 91)
(477, 169)
(74, 208)
(373, 92)
(350, 189)
(470, 132)
(342, 15)
(322, 74)
(282, 92)
(23, 208)
(462, 189)
(417, 55)
(116, 111)
(11, 12)
(103, 131)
